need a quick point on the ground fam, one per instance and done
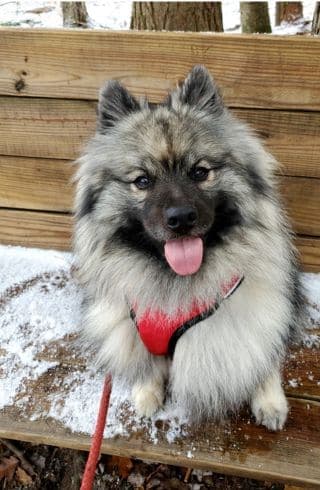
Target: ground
(27, 466)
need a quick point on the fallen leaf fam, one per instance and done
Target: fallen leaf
(7, 467)
(124, 465)
(23, 477)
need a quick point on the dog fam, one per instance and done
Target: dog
(185, 254)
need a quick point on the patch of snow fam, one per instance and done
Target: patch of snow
(19, 263)
(293, 383)
(311, 341)
(136, 479)
(311, 283)
(76, 412)
(29, 315)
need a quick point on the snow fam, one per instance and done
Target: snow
(40, 315)
(115, 14)
(40, 307)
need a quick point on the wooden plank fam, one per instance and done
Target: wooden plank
(302, 367)
(32, 229)
(292, 137)
(59, 128)
(44, 184)
(35, 183)
(45, 128)
(309, 249)
(236, 448)
(52, 230)
(254, 71)
(302, 199)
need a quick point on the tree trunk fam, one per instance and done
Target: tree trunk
(74, 14)
(255, 17)
(288, 12)
(316, 19)
(177, 16)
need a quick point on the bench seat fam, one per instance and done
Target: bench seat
(51, 389)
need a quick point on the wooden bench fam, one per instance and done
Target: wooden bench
(49, 81)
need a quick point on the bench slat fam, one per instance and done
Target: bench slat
(254, 71)
(35, 229)
(36, 183)
(239, 448)
(48, 128)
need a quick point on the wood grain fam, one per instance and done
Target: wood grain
(53, 230)
(45, 128)
(45, 185)
(302, 367)
(292, 137)
(302, 199)
(309, 249)
(254, 71)
(34, 229)
(236, 448)
(48, 128)
(36, 183)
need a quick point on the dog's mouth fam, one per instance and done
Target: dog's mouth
(184, 255)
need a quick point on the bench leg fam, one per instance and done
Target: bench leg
(269, 404)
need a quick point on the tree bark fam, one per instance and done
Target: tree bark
(316, 20)
(74, 14)
(177, 16)
(255, 17)
(288, 12)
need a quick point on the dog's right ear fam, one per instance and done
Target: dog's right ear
(115, 102)
(198, 90)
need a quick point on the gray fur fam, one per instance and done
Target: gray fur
(225, 360)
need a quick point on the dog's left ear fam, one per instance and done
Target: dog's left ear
(200, 91)
(115, 103)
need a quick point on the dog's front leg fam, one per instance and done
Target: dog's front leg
(269, 404)
(149, 392)
(122, 353)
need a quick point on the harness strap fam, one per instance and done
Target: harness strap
(203, 316)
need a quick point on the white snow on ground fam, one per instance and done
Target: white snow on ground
(115, 14)
(40, 306)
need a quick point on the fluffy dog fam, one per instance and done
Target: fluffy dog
(176, 205)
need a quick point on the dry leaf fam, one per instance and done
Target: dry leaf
(7, 467)
(124, 465)
(23, 477)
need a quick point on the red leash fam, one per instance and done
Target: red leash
(92, 461)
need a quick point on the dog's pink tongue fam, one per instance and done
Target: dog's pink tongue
(184, 255)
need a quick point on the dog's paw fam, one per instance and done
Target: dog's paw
(270, 409)
(148, 398)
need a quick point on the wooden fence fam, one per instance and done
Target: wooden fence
(49, 83)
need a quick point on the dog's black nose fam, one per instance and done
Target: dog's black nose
(181, 218)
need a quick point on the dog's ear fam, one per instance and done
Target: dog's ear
(115, 102)
(200, 91)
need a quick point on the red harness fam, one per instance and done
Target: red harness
(160, 332)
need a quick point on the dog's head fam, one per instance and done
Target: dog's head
(170, 179)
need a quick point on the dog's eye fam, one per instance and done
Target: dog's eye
(199, 174)
(142, 182)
